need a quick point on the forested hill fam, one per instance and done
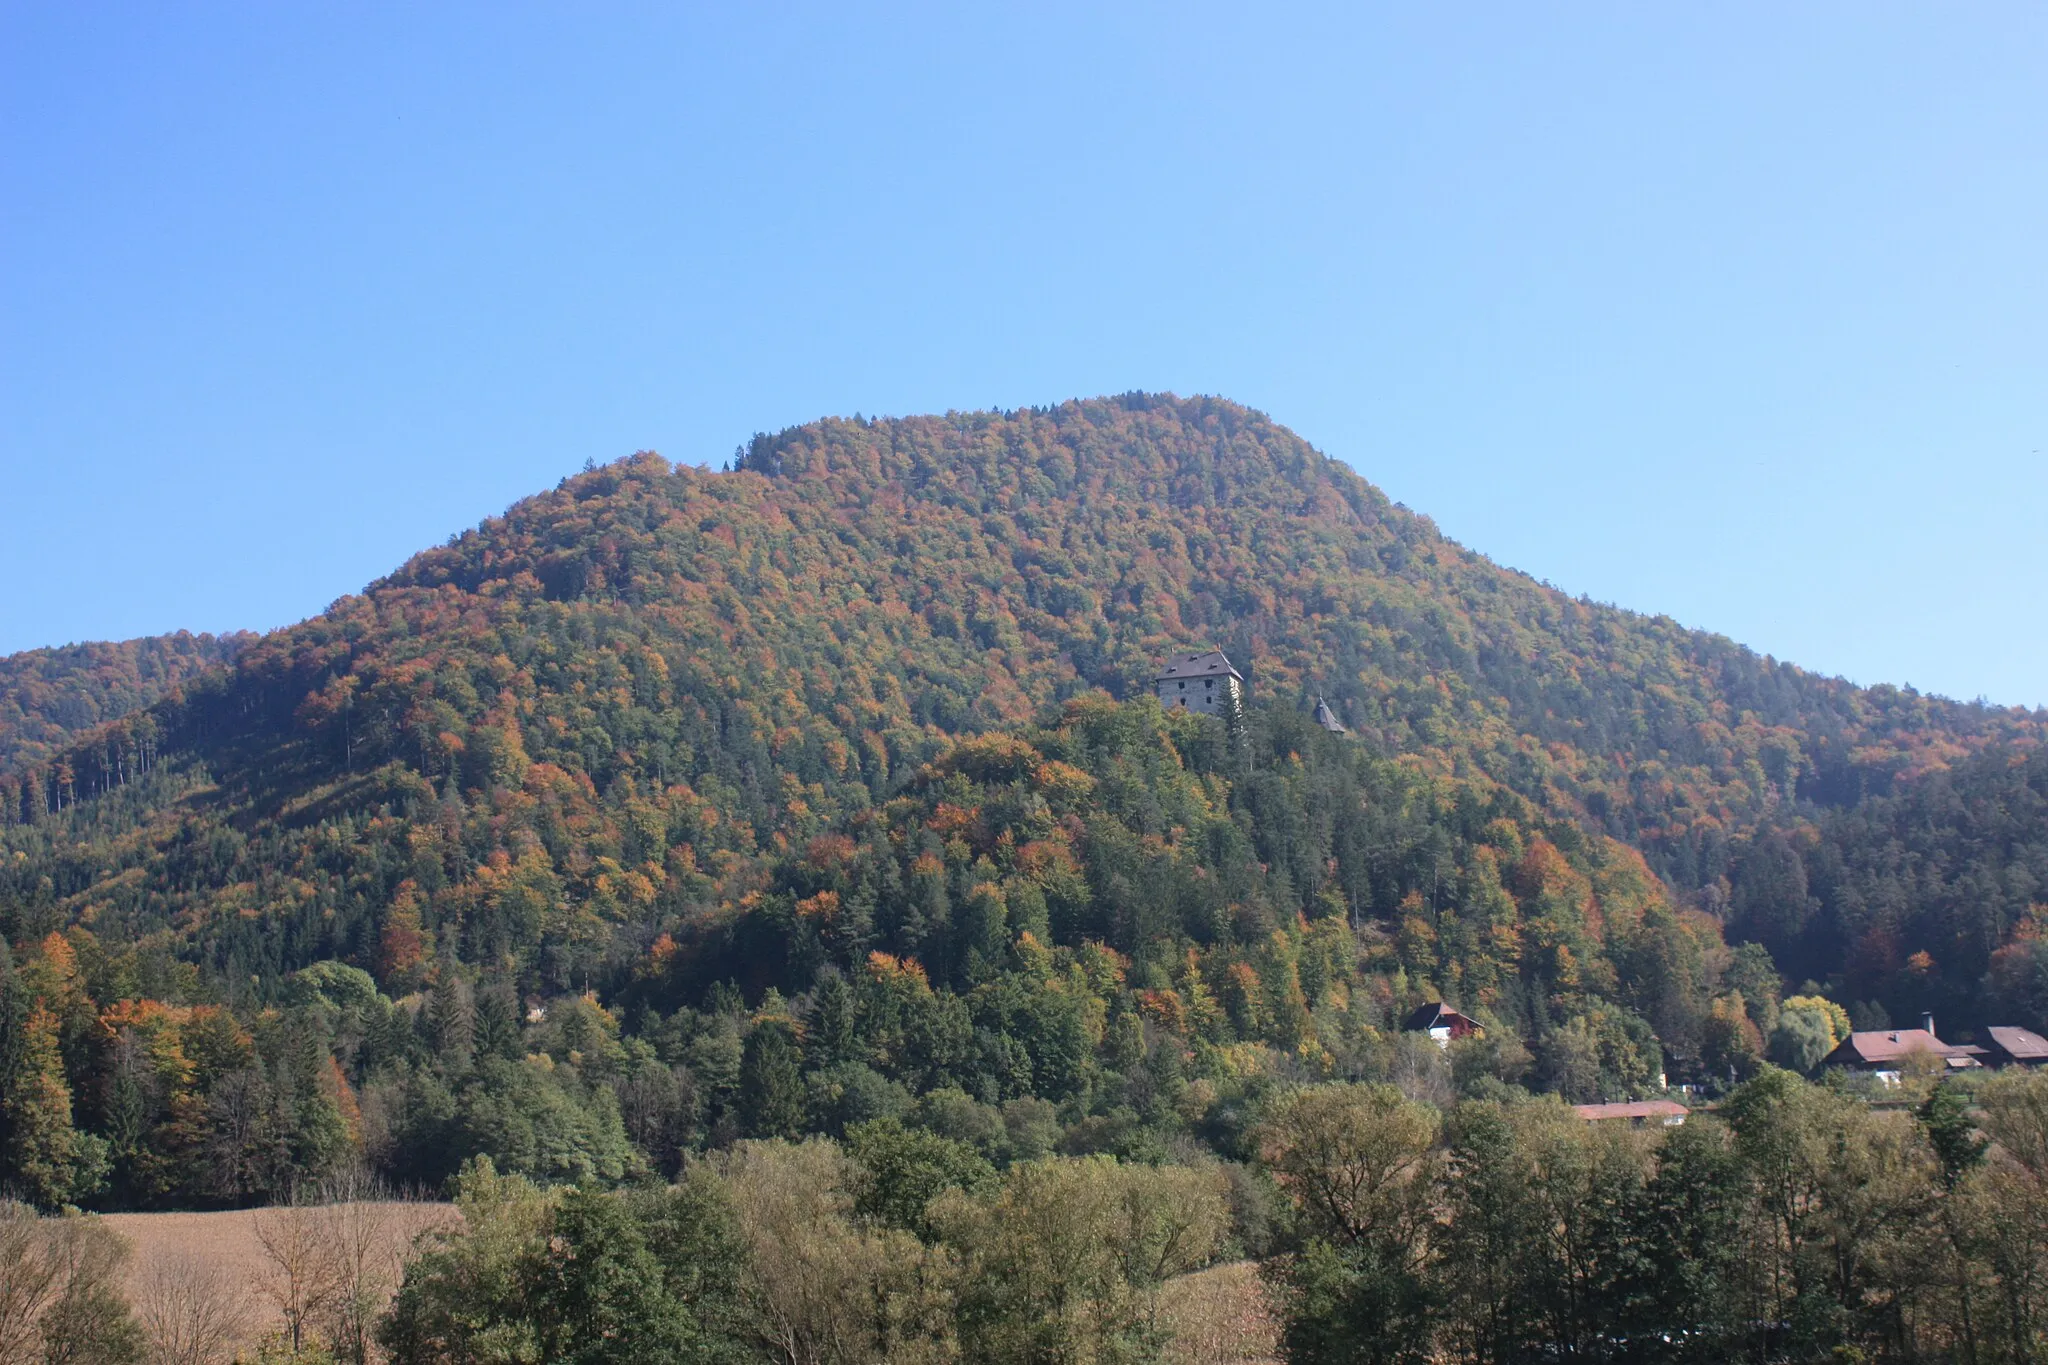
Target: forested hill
(939, 574)
(48, 695)
(692, 742)
(820, 620)
(882, 583)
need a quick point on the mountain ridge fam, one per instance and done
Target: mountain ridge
(848, 468)
(674, 806)
(788, 641)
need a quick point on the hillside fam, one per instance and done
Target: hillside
(49, 695)
(690, 741)
(879, 585)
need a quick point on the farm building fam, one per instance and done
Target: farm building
(1885, 1052)
(1635, 1113)
(1442, 1023)
(2004, 1045)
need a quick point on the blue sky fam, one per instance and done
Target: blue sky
(1736, 314)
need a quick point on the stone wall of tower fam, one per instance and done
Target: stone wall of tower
(1210, 696)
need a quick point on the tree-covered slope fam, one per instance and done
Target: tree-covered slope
(703, 744)
(979, 564)
(49, 695)
(760, 652)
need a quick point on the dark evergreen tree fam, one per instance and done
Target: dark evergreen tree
(771, 1086)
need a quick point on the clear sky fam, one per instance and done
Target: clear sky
(1736, 312)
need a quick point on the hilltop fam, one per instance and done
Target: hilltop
(802, 631)
(840, 763)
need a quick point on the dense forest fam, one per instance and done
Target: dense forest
(824, 797)
(49, 695)
(1093, 933)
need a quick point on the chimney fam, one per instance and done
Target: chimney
(1927, 1022)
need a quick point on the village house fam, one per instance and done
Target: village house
(2005, 1045)
(1884, 1053)
(1200, 682)
(1442, 1023)
(1635, 1113)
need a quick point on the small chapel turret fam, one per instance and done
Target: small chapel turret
(1200, 682)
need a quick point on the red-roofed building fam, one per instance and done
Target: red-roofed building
(1442, 1023)
(2007, 1046)
(1635, 1113)
(1882, 1052)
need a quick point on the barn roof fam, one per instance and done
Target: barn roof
(2022, 1045)
(1633, 1109)
(1436, 1014)
(1884, 1047)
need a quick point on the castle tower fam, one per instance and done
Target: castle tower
(1199, 682)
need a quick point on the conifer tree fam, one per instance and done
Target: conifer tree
(771, 1086)
(497, 1023)
(44, 1157)
(14, 1005)
(451, 1020)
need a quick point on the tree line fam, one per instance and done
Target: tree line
(1795, 1223)
(762, 654)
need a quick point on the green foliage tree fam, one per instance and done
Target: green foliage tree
(44, 1157)
(903, 1169)
(581, 1275)
(600, 1295)
(1063, 1260)
(1358, 1163)
(824, 1287)
(771, 1084)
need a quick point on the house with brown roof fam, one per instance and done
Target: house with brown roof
(1885, 1052)
(1442, 1023)
(1635, 1113)
(1199, 682)
(2008, 1046)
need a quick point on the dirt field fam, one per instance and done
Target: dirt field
(1217, 1317)
(1220, 1317)
(223, 1254)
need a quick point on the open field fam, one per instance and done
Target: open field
(1220, 1316)
(221, 1256)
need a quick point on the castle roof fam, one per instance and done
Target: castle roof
(1210, 665)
